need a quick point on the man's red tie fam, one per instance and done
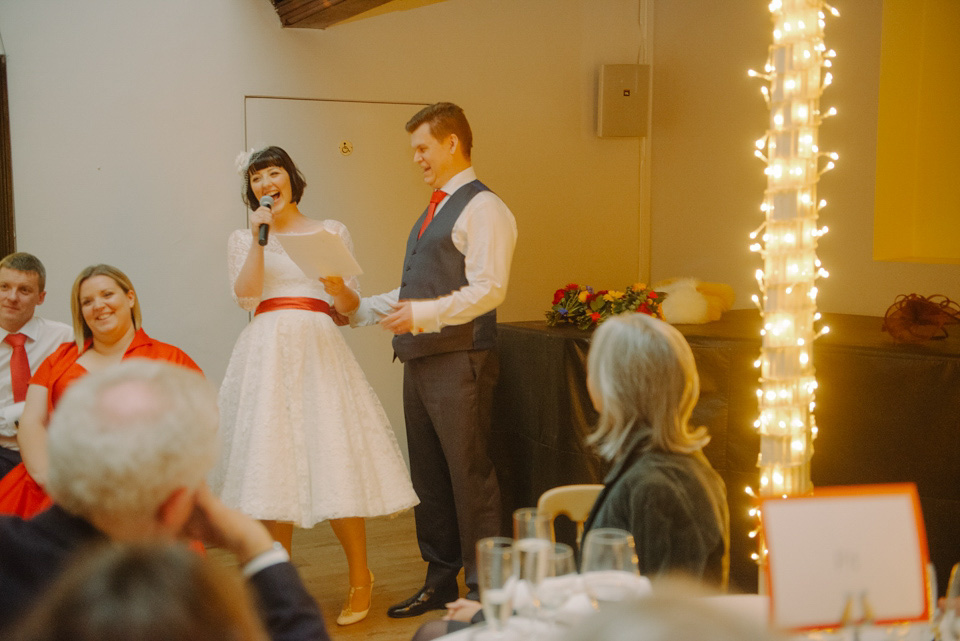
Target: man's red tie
(435, 199)
(19, 366)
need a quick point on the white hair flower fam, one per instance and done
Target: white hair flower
(243, 162)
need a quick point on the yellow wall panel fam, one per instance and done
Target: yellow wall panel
(917, 211)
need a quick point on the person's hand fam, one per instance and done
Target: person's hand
(261, 216)
(953, 604)
(345, 299)
(462, 610)
(400, 320)
(333, 284)
(214, 523)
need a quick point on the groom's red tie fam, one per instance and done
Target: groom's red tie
(435, 199)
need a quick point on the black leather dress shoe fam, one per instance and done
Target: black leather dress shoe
(426, 599)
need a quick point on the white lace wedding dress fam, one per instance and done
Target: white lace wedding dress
(303, 435)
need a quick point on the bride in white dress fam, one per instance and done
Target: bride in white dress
(304, 436)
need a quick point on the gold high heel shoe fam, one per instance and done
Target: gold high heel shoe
(347, 615)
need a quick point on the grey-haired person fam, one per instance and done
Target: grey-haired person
(129, 449)
(643, 381)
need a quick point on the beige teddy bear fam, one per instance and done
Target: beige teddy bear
(690, 301)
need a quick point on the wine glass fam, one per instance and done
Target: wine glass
(531, 523)
(950, 623)
(495, 570)
(609, 566)
(560, 583)
(531, 545)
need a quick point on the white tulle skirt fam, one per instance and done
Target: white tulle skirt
(303, 435)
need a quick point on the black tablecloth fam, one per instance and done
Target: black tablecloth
(886, 412)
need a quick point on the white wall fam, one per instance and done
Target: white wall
(126, 118)
(706, 184)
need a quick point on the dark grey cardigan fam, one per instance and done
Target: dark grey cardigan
(675, 505)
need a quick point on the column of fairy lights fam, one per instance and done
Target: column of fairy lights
(796, 74)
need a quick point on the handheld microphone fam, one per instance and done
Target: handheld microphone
(267, 202)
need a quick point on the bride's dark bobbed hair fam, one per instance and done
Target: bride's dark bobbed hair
(272, 157)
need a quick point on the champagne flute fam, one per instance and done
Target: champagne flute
(610, 565)
(531, 544)
(495, 570)
(560, 583)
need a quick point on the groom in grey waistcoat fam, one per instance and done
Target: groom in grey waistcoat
(443, 317)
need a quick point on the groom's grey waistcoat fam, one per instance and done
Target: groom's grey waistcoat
(434, 267)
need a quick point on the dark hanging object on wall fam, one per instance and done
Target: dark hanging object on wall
(8, 239)
(913, 318)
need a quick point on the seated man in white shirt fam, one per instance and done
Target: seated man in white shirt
(22, 287)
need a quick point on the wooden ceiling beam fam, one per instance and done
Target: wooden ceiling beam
(320, 14)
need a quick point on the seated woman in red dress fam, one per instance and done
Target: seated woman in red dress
(106, 323)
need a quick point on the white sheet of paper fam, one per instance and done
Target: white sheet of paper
(824, 549)
(320, 253)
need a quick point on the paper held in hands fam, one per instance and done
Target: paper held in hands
(320, 253)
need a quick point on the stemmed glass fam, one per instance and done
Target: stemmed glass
(495, 570)
(950, 624)
(532, 543)
(531, 523)
(609, 565)
(560, 583)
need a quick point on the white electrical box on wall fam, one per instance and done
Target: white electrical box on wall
(622, 101)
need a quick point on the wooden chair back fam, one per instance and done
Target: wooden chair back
(572, 501)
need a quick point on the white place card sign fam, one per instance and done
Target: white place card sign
(846, 554)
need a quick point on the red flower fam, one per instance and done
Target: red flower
(643, 309)
(572, 286)
(558, 295)
(595, 317)
(652, 295)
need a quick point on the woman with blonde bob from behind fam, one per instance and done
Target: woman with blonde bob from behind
(643, 381)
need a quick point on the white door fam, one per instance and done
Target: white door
(357, 161)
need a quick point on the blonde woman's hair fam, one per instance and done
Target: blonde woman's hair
(81, 332)
(641, 372)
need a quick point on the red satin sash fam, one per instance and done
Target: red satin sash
(292, 302)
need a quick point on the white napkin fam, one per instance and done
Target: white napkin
(578, 603)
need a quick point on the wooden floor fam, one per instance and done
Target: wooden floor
(395, 561)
